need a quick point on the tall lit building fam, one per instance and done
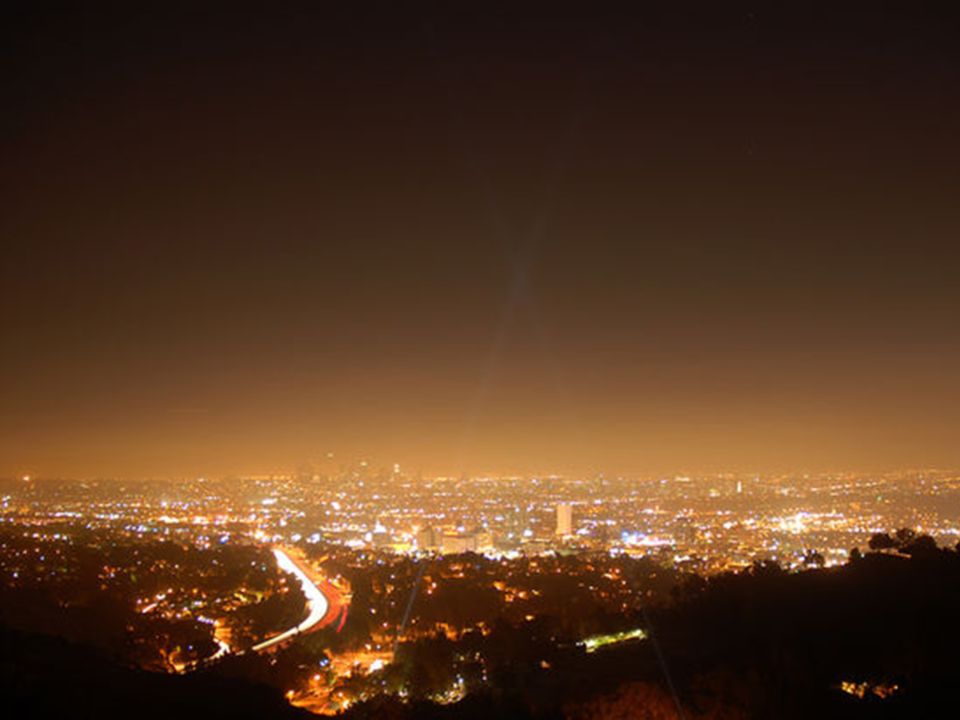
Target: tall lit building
(428, 539)
(564, 519)
(454, 543)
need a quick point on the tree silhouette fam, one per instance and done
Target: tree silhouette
(921, 546)
(882, 541)
(905, 536)
(634, 701)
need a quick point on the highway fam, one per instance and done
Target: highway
(317, 603)
(222, 650)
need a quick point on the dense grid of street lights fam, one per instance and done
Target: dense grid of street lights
(705, 524)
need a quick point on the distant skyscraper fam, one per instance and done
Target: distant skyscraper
(564, 519)
(428, 539)
(458, 542)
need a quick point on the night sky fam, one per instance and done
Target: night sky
(480, 241)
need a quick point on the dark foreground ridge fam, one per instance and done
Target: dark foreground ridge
(876, 638)
(48, 677)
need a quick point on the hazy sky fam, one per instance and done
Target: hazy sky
(490, 241)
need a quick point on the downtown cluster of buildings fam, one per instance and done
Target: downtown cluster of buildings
(705, 524)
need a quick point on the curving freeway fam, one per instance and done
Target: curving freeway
(317, 603)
